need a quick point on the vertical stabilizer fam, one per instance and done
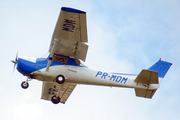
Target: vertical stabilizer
(161, 67)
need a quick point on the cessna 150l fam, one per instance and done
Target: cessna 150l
(61, 71)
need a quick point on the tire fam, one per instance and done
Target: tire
(55, 99)
(60, 79)
(24, 85)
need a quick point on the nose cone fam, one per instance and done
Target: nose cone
(26, 65)
(14, 61)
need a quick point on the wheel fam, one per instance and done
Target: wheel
(55, 99)
(24, 85)
(60, 79)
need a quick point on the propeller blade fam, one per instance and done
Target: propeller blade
(15, 61)
(14, 67)
(16, 57)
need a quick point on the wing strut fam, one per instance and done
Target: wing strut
(52, 53)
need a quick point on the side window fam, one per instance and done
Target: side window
(61, 59)
(77, 61)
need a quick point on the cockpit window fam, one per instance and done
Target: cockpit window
(45, 55)
(63, 59)
(60, 58)
(82, 64)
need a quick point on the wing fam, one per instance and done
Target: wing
(71, 32)
(50, 88)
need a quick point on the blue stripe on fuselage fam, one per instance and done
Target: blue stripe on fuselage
(26, 67)
(124, 74)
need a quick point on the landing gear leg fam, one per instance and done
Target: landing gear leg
(56, 99)
(25, 84)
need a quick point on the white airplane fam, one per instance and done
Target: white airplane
(62, 70)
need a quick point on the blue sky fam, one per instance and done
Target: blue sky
(124, 36)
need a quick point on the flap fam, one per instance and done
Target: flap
(147, 77)
(146, 93)
(71, 31)
(50, 89)
(66, 91)
(81, 51)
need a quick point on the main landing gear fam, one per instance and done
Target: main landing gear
(60, 79)
(55, 99)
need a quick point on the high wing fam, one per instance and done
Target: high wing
(71, 32)
(50, 89)
(146, 77)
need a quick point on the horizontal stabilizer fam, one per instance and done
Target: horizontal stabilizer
(147, 77)
(146, 93)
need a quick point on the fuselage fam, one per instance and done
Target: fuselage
(35, 68)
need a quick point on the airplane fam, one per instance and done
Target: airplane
(62, 69)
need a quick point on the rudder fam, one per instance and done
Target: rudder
(161, 67)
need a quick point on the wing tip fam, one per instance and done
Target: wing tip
(67, 9)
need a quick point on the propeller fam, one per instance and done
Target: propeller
(15, 61)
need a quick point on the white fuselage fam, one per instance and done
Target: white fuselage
(84, 75)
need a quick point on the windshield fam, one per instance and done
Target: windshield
(45, 55)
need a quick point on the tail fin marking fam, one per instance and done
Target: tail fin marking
(161, 67)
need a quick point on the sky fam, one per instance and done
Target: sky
(123, 36)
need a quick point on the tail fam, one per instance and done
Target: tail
(161, 67)
(150, 76)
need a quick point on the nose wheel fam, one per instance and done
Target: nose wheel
(24, 84)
